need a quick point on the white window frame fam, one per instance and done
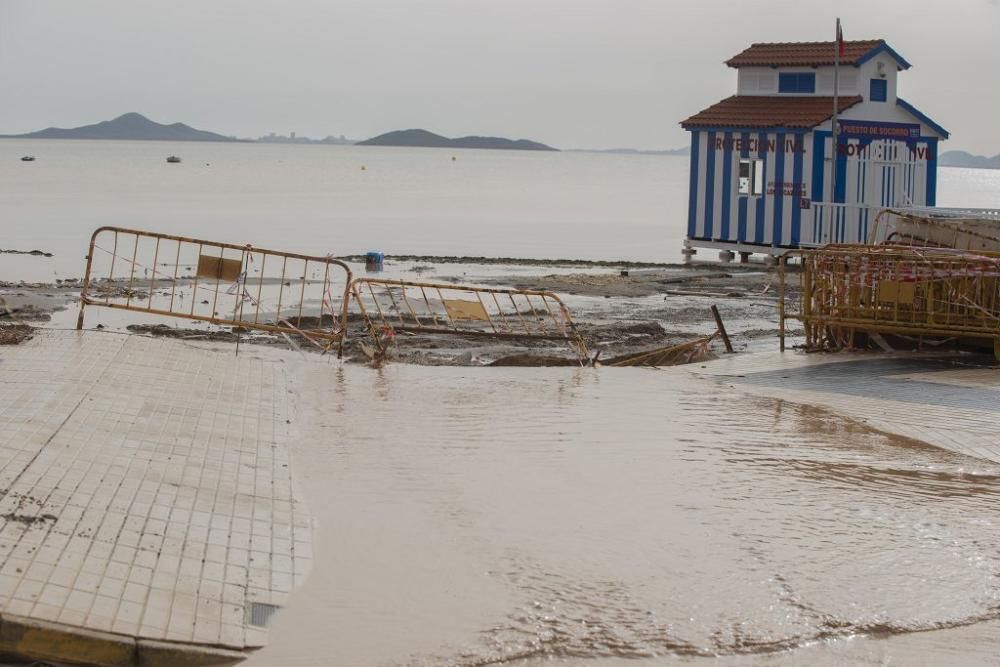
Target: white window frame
(751, 185)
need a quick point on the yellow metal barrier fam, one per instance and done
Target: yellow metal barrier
(217, 283)
(907, 291)
(393, 306)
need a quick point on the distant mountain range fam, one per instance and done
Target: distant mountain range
(130, 126)
(425, 139)
(136, 127)
(964, 159)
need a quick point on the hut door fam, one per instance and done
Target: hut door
(890, 175)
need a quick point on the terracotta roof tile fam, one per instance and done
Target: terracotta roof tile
(749, 111)
(802, 53)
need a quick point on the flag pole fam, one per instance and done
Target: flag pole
(836, 105)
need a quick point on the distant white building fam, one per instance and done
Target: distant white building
(761, 160)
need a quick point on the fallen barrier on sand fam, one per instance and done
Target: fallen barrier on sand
(390, 307)
(218, 283)
(309, 298)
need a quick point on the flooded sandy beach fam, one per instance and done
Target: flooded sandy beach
(520, 516)
(474, 516)
(513, 334)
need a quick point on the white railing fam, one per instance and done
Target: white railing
(825, 223)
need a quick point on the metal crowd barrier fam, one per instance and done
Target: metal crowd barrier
(908, 291)
(398, 306)
(218, 283)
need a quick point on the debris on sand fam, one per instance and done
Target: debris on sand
(35, 253)
(618, 310)
(13, 334)
(175, 332)
(27, 519)
(670, 355)
(735, 282)
(674, 355)
(519, 261)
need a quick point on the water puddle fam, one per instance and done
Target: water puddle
(473, 517)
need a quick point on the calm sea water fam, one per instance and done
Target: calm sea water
(345, 200)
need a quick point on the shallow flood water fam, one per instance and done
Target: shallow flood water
(477, 516)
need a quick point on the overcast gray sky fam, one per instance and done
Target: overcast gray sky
(571, 73)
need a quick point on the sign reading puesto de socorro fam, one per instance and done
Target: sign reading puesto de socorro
(862, 129)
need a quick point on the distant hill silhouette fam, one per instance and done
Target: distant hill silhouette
(425, 139)
(132, 126)
(964, 159)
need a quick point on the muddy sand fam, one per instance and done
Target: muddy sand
(619, 309)
(672, 280)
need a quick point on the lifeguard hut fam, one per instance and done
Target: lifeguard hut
(765, 177)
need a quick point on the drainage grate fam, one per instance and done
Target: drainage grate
(260, 614)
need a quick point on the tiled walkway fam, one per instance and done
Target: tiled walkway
(950, 401)
(145, 489)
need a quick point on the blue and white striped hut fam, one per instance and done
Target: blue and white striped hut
(761, 160)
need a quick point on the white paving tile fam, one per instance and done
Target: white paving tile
(142, 483)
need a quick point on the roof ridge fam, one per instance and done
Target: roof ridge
(821, 41)
(792, 97)
(817, 54)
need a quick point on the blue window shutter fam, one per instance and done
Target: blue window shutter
(796, 82)
(879, 91)
(807, 82)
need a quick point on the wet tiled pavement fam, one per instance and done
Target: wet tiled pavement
(950, 401)
(145, 489)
